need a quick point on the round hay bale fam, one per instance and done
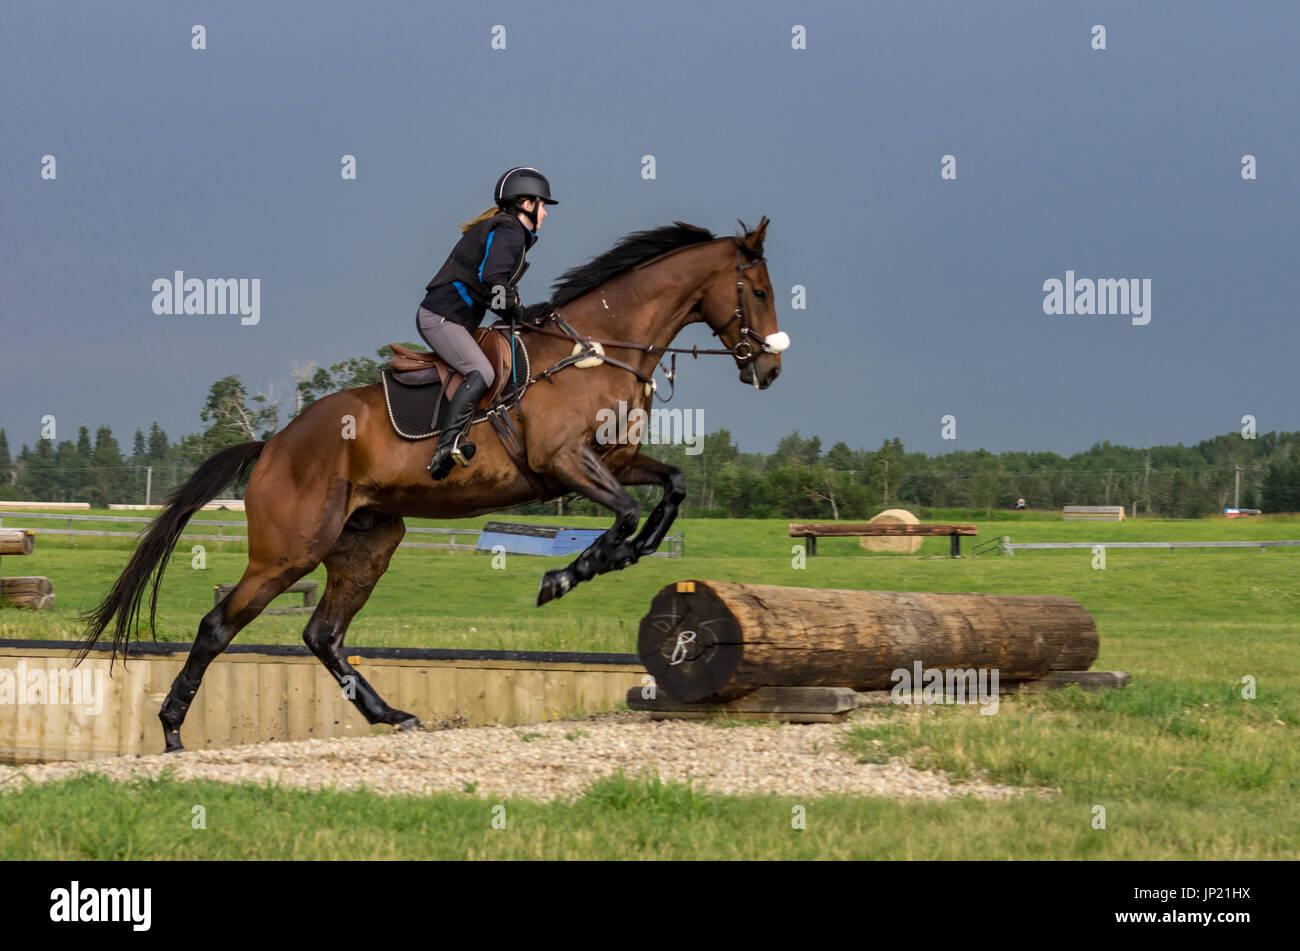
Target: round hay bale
(897, 546)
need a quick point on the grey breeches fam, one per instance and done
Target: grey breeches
(454, 344)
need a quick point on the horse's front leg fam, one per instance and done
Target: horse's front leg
(583, 471)
(646, 470)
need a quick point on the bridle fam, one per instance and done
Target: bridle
(743, 352)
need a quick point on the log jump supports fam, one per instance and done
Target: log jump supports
(811, 531)
(307, 587)
(26, 592)
(715, 642)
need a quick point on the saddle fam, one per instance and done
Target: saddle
(423, 367)
(418, 384)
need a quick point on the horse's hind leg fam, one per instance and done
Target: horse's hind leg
(291, 527)
(355, 563)
(256, 589)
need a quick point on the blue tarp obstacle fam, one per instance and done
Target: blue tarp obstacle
(520, 539)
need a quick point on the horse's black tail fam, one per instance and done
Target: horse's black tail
(157, 541)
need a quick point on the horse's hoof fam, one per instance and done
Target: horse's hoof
(173, 741)
(410, 723)
(554, 584)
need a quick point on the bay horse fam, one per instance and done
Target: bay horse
(334, 485)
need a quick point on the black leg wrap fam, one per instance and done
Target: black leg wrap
(178, 699)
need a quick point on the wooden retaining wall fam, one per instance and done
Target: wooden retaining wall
(255, 694)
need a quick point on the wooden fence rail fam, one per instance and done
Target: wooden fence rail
(1010, 549)
(450, 545)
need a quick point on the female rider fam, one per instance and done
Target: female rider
(481, 274)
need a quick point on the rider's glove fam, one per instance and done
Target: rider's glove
(511, 299)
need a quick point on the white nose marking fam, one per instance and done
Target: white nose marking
(775, 343)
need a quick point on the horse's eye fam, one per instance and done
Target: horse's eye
(761, 295)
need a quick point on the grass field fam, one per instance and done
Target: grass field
(432, 598)
(1182, 763)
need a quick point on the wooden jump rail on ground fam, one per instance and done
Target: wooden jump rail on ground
(31, 591)
(1093, 513)
(38, 506)
(811, 531)
(802, 653)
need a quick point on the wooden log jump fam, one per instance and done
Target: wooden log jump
(715, 641)
(16, 541)
(811, 531)
(31, 591)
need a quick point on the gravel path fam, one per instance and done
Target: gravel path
(545, 761)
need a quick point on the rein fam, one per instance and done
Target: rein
(743, 352)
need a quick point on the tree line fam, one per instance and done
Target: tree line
(800, 479)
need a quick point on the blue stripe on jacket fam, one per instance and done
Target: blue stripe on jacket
(486, 248)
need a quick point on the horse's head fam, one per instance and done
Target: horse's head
(740, 308)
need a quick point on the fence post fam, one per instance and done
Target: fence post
(1006, 545)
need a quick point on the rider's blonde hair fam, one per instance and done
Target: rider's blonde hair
(481, 216)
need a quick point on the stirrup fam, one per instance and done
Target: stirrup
(462, 453)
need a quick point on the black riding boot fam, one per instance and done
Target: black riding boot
(450, 448)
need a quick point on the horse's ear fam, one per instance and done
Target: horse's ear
(753, 240)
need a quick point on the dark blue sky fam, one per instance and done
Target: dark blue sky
(924, 296)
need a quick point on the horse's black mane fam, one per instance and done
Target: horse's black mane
(634, 249)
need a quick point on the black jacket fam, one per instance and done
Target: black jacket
(489, 254)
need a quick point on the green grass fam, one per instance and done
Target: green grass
(1153, 812)
(1183, 765)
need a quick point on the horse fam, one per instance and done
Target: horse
(334, 485)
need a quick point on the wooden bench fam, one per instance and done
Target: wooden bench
(811, 531)
(32, 591)
(307, 587)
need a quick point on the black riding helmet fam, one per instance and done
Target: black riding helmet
(522, 182)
